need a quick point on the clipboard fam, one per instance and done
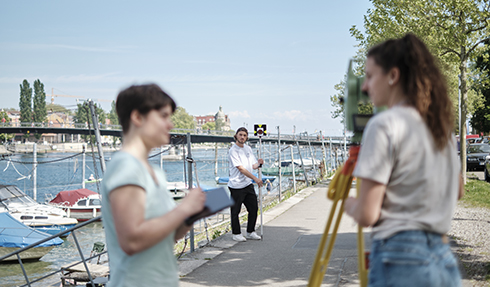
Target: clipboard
(216, 200)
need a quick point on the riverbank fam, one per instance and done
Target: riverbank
(51, 148)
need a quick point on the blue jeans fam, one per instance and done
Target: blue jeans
(413, 258)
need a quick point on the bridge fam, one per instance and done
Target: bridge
(177, 135)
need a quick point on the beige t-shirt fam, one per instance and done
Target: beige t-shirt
(422, 183)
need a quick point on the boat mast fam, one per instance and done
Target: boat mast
(95, 122)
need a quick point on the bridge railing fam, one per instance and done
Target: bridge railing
(199, 131)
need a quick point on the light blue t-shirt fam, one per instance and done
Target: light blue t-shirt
(156, 266)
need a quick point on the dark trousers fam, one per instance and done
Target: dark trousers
(248, 197)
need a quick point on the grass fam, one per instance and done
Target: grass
(477, 193)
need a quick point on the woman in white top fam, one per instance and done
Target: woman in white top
(408, 168)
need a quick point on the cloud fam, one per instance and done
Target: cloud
(292, 115)
(239, 114)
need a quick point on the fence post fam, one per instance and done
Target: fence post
(189, 183)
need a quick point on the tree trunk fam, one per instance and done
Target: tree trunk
(462, 120)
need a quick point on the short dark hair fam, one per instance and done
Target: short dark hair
(142, 98)
(242, 129)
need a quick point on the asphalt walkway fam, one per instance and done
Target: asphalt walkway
(292, 232)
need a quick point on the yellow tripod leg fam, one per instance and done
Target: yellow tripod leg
(338, 191)
(363, 272)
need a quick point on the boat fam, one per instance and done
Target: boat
(224, 180)
(49, 219)
(14, 235)
(179, 189)
(307, 162)
(287, 170)
(82, 204)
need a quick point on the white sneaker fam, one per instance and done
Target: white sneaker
(239, 238)
(253, 235)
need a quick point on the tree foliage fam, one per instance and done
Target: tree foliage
(81, 114)
(39, 102)
(112, 116)
(480, 119)
(54, 108)
(209, 126)
(4, 115)
(219, 124)
(182, 120)
(453, 30)
(25, 102)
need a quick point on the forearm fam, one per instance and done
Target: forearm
(247, 173)
(150, 232)
(182, 231)
(366, 209)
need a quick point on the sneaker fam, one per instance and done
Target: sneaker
(239, 238)
(253, 235)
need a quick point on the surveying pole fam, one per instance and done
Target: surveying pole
(260, 130)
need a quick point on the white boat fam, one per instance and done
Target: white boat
(307, 162)
(14, 235)
(43, 217)
(81, 204)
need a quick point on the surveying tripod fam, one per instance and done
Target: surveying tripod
(338, 190)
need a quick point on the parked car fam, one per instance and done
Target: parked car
(476, 155)
(487, 167)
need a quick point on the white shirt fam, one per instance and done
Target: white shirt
(422, 183)
(240, 156)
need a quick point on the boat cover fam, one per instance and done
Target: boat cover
(70, 197)
(14, 233)
(224, 180)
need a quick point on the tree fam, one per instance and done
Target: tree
(25, 102)
(182, 120)
(480, 119)
(112, 116)
(453, 30)
(39, 102)
(81, 117)
(5, 119)
(54, 108)
(209, 126)
(219, 124)
(39, 105)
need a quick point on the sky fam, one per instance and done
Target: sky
(272, 62)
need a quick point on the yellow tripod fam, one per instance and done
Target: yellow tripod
(338, 190)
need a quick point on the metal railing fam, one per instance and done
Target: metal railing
(83, 259)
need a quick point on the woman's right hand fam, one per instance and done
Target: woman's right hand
(194, 201)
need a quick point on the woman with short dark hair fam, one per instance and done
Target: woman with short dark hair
(141, 220)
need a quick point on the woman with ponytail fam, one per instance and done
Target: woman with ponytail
(408, 168)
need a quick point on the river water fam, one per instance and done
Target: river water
(59, 171)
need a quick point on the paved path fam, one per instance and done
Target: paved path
(292, 231)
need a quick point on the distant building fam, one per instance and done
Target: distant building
(223, 120)
(15, 117)
(219, 118)
(201, 120)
